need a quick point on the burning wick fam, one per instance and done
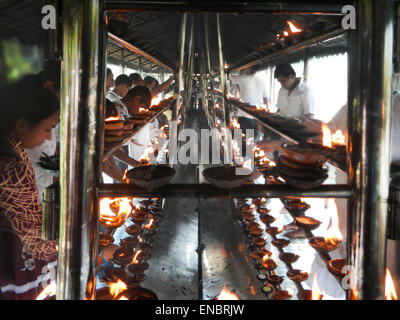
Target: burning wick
(134, 260)
(293, 27)
(116, 118)
(148, 226)
(390, 290)
(225, 294)
(333, 234)
(316, 293)
(117, 287)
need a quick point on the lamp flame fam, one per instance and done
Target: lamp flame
(338, 138)
(235, 124)
(146, 154)
(114, 211)
(148, 226)
(390, 290)
(225, 294)
(293, 27)
(316, 293)
(326, 136)
(333, 234)
(155, 101)
(134, 260)
(116, 118)
(117, 287)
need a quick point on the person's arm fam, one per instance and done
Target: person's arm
(162, 87)
(121, 155)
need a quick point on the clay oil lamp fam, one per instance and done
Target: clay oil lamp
(134, 230)
(275, 279)
(281, 295)
(268, 264)
(247, 209)
(280, 243)
(113, 212)
(249, 217)
(122, 258)
(105, 240)
(259, 201)
(150, 176)
(256, 232)
(134, 274)
(147, 203)
(113, 274)
(306, 154)
(288, 257)
(333, 235)
(139, 215)
(297, 275)
(128, 244)
(263, 210)
(267, 289)
(273, 231)
(307, 223)
(259, 242)
(324, 244)
(296, 206)
(252, 225)
(266, 218)
(226, 176)
(336, 266)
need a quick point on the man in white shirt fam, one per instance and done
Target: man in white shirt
(295, 98)
(122, 85)
(253, 91)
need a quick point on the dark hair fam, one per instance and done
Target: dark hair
(51, 72)
(139, 91)
(149, 79)
(134, 76)
(26, 99)
(108, 72)
(123, 79)
(284, 70)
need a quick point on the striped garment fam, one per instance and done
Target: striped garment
(20, 229)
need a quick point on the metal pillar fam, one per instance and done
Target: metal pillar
(82, 117)
(370, 75)
(223, 88)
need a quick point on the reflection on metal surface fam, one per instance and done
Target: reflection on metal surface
(225, 257)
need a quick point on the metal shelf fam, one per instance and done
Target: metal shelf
(208, 190)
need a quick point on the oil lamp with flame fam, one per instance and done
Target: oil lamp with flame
(225, 294)
(333, 235)
(390, 290)
(113, 212)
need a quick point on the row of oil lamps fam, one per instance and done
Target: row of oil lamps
(130, 259)
(262, 257)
